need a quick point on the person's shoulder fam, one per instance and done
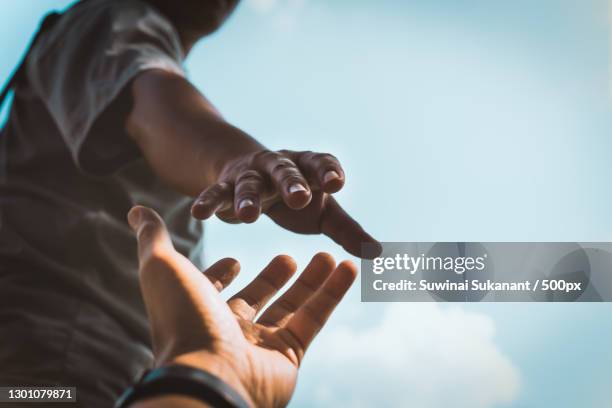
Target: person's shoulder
(100, 18)
(94, 15)
(111, 9)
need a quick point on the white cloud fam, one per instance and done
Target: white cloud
(418, 355)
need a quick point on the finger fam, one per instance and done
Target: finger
(345, 231)
(317, 271)
(286, 177)
(184, 308)
(250, 300)
(324, 169)
(222, 272)
(309, 319)
(250, 186)
(151, 233)
(211, 200)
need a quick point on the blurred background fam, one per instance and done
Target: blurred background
(456, 120)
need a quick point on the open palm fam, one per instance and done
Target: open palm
(192, 325)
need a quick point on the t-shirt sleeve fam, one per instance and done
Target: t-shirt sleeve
(80, 70)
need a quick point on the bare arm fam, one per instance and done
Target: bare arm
(181, 134)
(191, 147)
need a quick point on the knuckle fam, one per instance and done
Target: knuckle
(293, 179)
(245, 193)
(210, 195)
(317, 156)
(215, 192)
(265, 156)
(315, 312)
(305, 157)
(315, 159)
(306, 154)
(286, 152)
(330, 158)
(288, 177)
(222, 186)
(325, 158)
(250, 177)
(286, 305)
(283, 165)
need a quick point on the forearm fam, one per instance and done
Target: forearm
(181, 135)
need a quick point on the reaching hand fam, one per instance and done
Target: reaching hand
(293, 188)
(191, 324)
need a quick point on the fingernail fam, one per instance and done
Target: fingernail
(294, 188)
(134, 217)
(200, 203)
(330, 175)
(247, 202)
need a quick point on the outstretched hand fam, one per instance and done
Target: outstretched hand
(191, 324)
(293, 188)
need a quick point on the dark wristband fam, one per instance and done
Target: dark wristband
(182, 380)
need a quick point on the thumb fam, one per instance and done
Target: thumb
(183, 306)
(347, 232)
(151, 233)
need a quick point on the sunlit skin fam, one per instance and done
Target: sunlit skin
(193, 149)
(256, 351)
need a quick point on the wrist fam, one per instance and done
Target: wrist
(217, 366)
(180, 384)
(242, 146)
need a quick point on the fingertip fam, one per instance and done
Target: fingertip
(297, 188)
(139, 215)
(378, 248)
(134, 216)
(298, 197)
(332, 182)
(364, 247)
(325, 260)
(201, 210)
(341, 279)
(348, 270)
(248, 211)
(370, 250)
(285, 262)
(229, 263)
(223, 272)
(278, 271)
(151, 234)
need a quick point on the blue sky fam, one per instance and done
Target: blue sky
(456, 120)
